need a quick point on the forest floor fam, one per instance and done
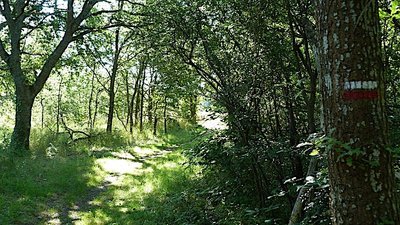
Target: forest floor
(133, 184)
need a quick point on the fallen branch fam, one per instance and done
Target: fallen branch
(298, 205)
(71, 132)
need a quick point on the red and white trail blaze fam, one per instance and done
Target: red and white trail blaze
(360, 90)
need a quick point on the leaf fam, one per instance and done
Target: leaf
(394, 6)
(314, 152)
(397, 175)
(349, 161)
(383, 14)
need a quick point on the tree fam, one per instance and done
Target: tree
(24, 23)
(360, 166)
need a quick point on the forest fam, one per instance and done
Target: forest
(197, 112)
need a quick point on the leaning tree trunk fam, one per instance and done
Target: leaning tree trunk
(360, 167)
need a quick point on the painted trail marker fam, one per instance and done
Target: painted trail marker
(360, 90)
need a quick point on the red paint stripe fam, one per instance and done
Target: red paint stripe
(360, 94)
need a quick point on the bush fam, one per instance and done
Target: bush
(238, 178)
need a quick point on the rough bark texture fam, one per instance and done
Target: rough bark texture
(22, 128)
(360, 168)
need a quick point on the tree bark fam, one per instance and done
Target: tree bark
(90, 120)
(360, 167)
(165, 114)
(155, 125)
(132, 103)
(22, 129)
(142, 102)
(42, 111)
(141, 77)
(153, 78)
(111, 91)
(59, 96)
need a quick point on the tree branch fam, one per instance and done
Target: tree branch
(3, 53)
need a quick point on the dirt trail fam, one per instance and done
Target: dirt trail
(116, 165)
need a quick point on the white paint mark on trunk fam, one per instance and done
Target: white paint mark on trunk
(362, 85)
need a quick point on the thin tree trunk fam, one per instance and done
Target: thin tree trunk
(90, 124)
(59, 96)
(42, 108)
(132, 103)
(155, 125)
(278, 126)
(165, 114)
(142, 102)
(128, 95)
(96, 107)
(111, 91)
(298, 205)
(153, 78)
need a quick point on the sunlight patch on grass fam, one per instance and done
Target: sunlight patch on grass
(96, 217)
(140, 151)
(54, 221)
(52, 215)
(119, 166)
(123, 155)
(148, 188)
(168, 165)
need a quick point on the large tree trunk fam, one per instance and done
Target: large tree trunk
(360, 167)
(23, 113)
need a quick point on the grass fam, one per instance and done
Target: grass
(113, 179)
(46, 188)
(33, 188)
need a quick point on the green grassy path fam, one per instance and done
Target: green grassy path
(141, 184)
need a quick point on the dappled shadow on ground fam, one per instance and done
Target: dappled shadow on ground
(35, 190)
(104, 186)
(142, 196)
(116, 166)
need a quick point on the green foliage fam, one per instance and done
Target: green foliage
(229, 167)
(316, 210)
(5, 136)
